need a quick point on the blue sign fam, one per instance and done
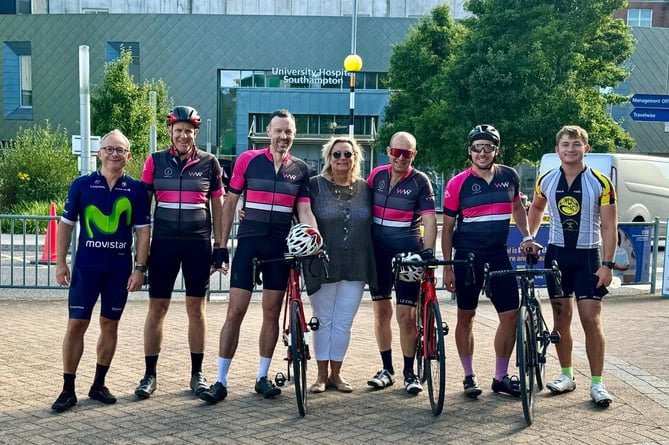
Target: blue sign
(650, 101)
(517, 258)
(650, 114)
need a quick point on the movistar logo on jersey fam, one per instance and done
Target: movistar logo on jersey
(107, 224)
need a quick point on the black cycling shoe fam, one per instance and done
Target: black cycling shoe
(65, 401)
(265, 387)
(471, 386)
(101, 394)
(508, 385)
(146, 387)
(215, 394)
(198, 383)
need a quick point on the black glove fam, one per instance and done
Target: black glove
(219, 256)
(426, 254)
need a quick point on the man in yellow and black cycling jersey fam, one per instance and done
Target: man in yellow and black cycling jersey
(583, 217)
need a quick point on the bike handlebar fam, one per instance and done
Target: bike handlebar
(523, 273)
(433, 263)
(292, 259)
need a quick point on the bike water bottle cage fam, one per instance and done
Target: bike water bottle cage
(304, 240)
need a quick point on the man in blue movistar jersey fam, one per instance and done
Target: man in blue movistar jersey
(109, 205)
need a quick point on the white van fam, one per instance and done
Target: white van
(641, 182)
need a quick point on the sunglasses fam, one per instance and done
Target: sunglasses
(347, 154)
(397, 152)
(488, 148)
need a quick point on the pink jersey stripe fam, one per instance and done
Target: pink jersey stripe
(176, 196)
(498, 208)
(270, 198)
(392, 214)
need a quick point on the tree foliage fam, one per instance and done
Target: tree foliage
(527, 67)
(120, 103)
(37, 165)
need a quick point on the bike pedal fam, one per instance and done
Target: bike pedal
(444, 327)
(555, 337)
(280, 379)
(314, 324)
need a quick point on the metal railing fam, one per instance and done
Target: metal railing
(23, 263)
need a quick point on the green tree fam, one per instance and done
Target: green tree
(120, 103)
(37, 165)
(416, 73)
(528, 67)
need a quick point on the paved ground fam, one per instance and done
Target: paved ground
(637, 374)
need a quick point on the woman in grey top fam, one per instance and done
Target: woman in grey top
(341, 201)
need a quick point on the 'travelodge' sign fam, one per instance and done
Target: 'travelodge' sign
(310, 76)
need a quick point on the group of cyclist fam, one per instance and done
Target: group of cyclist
(362, 223)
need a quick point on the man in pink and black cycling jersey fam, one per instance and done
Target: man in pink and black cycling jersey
(274, 183)
(188, 188)
(478, 205)
(402, 200)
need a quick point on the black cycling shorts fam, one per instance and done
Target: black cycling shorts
(167, 256)
(578, 267)
(274, 274)
(110, 284)
(503, 290)
(406, 293)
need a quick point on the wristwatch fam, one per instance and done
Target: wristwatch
(609, 264)
(141, 267)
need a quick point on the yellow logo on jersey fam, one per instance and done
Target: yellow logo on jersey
(568, 206)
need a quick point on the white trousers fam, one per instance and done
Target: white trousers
(335, 305)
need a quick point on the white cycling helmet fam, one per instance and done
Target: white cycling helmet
(304, 240)
(408, 272)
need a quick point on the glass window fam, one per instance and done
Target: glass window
(229, 78)
(17, 86)
(642, 18)
(246, 79)
(25, 70)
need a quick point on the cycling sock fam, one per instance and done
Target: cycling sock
(68, 382)
(223, 369)
(501, 368)
(100, 374)
(569, 372)
(408, 365)
(466, 361)
(387, 359)
(196, 362)
(595, 379)
(151, 363)
(263, 367)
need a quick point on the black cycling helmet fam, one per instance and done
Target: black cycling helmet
(184, 114)
(486, 132)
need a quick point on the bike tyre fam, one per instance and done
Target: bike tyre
(435, 363)
(298, 349)
(543, 341)
(526, 355)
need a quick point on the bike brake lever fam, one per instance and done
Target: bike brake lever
(470, 270)
(256, 272)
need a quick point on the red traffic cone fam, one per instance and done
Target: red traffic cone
(49, 252)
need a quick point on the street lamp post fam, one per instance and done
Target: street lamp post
(353, 64)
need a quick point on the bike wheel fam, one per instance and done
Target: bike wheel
(421, 365)
(526, 354)
(543, 341)
(298, 349)
(435, 363)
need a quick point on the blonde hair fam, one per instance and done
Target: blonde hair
(573, 132)
(358, 156)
